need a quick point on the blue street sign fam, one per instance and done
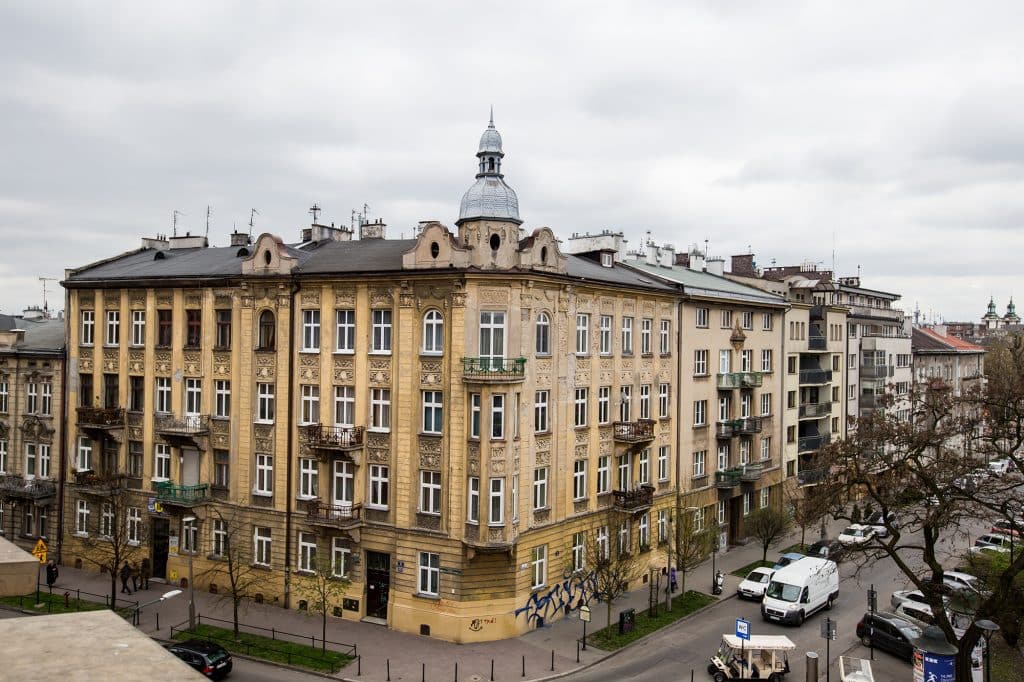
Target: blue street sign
(743, 629)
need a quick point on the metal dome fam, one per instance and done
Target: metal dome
(490, 197)
(490, 141)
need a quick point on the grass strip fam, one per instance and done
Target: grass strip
(51, 603)
(609, 638)
(277, 650)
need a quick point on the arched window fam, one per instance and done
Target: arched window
(490, 164)
(543, 334)
(266, 335)
(433, 332)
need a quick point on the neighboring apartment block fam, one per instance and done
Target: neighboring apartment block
(31, 404)
(957, 363)
(448, 419)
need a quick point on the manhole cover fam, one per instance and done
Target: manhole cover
(475, 678)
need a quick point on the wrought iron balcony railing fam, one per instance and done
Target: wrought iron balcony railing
(182, 495)
(100, 417)
(493, 369)
(334, 437)
(727, 479)
(639, 431)
(341, 515)
(637, 498)
(192, 425)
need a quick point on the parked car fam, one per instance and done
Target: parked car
(857, 534)
(1007, 527)
(888, 631)
(877, 523)
(786, 559)
(900, 596)
(756, 582)
(992, 541)
(827, 549)
(958, 581)
(999, 467)
(210, 659)
(917, 613)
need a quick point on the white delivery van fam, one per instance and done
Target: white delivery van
(798, 590)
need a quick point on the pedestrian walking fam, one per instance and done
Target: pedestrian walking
(136, 576)
(126, 573)
(672, 579)
(51, 572)
(146, 572)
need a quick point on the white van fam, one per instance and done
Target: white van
(798, 590)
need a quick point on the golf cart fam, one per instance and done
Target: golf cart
(762, 657)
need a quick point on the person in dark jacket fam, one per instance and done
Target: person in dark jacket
(126, 574)
(146, 572)
(51, 573)
(136, 576)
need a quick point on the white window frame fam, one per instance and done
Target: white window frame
(747, 319)
(381, 331)
(582, 333)
(766, 322)
(307, 552)
(645, 401)
(605, 347)
(540, 411)
(540, 488)
(430, 492)
(700, 362)
(82, 513)
(31, 397)
(700, 412)
(643, 530)
(496, 501)
(700, 458)
(265, 403)
(624, 467)
(43, 459)
(578, 551)
(193, 397)
(765, 497)
(604, 399)
(108, 524)
(663, 459)
(112, 333)
(643, 466)
(662, 525)
(345, 330)
(262, 546)
(189, 535)
(746, 360)
(379, 482)
(432, 412)
(341, 558)
(309, 478)
(219, 538)
(625, 542)
(701, 318)
(538, 567)
(724, 361)
(3, 458)
(161, 462)
(138, 327)
(133, 524)
(665, 337)
(766, 404)
(627, 335)
(475, 411)
(473, 499)
(222, 398)
(723, 456)
(603, 474)
(264, 479)
(380, 410)
(579, 479)
(88, 328)
(498, 416)
(766, 448)
(766, 359)
(163, 395)
(625, 403)
(310, 331)
(601, 543)
(428, 574)
(580, 406)
(492, 336)
(30, 460)
(646, 331)
(344, 406)
(542, 341)
(433, 333)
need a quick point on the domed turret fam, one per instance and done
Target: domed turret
(1011, 316)
(490, 197)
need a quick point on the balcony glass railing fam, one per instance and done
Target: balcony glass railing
(816, 409)
(811, 443)
(815, 376)
(730, 380)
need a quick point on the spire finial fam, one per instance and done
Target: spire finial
(491, 123)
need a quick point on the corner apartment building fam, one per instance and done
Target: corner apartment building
(31, 404)
(450, 419)
(731, 427)
(939, 355)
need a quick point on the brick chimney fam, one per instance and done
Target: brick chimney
(743, 265)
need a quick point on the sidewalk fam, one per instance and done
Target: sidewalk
(411, 657)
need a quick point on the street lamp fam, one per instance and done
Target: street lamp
(166, 595)
(188, 521)
(988, 628)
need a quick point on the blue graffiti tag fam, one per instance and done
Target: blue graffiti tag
(573, 592)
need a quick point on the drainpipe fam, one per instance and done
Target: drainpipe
(291, 449)
(62, 475)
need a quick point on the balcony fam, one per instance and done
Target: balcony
(815, 376)
(634, 500)
(816, 342)
(730, 380)
(728, 479)
(14, 486)
(182, 495)
(182, 430)
(811, 476)
(750, 473)
(333, 439)
(748, 425)
(815, 410)
(869, 401)
(493, 370)
(639, 431)
(875, 371)
(812, 443)
(100, 418)
(334, 515)
(726, 429)
(99, 484)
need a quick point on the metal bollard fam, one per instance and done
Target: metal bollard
(492, 670)
(552, 659)
(423, 672)
(812, 667)
(359, 666)
(389, 669)
(577, 651)
(524, 666)
(456, 671)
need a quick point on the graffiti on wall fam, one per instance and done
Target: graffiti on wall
(566, 596)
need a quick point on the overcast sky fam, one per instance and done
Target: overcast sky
(887, 135)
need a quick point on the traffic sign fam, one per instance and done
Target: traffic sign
(39, 551)
(828, 629)
(743, 629)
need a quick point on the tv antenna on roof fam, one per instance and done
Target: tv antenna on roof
(252, 214)
(44, 280)
(174, 222)
(315, 211)
(207, 220)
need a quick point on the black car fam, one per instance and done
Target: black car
(210, 659)
(828, 549)
(885, 630)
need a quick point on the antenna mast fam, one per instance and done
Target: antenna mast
(44, 280)
(174, 222)
(207, 220)
(252, 214)
(314, 210)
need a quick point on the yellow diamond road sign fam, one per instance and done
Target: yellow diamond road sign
(39, 551)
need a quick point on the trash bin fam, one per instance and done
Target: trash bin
(627, 620)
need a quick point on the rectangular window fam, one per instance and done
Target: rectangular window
(498, 416)
(745, 400)
(430, 492)
(645, 401)
(663, 401)
(744, 452)
(625, 409)
(307, 552)
(790, 434)
(189, 534)
(193, 397)
(539, 565)
(344, 406)
(381, 332)
(766, 448)
(579, 479)
(221, 468)
(162, 462)
(222, 398)
(723, 408)
(764, 497)
(721, 512)
(264, 475)
(540, 411)
(310, 404)
(309, 475)
(580, 407)
(223, 340)
(134, 524)
(603, 404)
(791, 364)
(84, 390)
(380, 409)
(4, 393)
(341, 558)
(766, 404)
(723, 457)
(747, 320)
(746, 503)
(82, 518)
(113, 336)
(261, 546)
(433, 412)
(766, 321)
(138, 327)
(747, 360)
(474, 415)
(310, 330)
(766, 360)
(603, 474)
(700, 412)
(664, 337)
(3, 460)
(492, 336)
(43, 451)
(606, 335)
(643, 531)
(163, 394)
(624, 543)
(164, 329)
(378, 486)
(429, 575)
(30, 460)
(32, 396)
(344, 483)
(791, 399)
(473, 499)
(582, 334)
(699, 463)
(663, 463)
(625, 472)
(136, 394)
(265, 403)
(662, 525)
(579, 541)
(107, 521)
(724, 361)
(726, 319)
(46, 398)
(627, 335)
(345, 331)
(84, 454)
(702, 318)
(540, 488)
(219, 537)
(193, 328)
(646, 330)
(643, 465)
(88, 333)
(111, 391)
(496, 513)
(602, 542)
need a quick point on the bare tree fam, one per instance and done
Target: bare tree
(233, 560)
(114, 539)
(692, 544)
(919, 469)
(806, 511)
(767, 525)
(322, 588)
(612, 567)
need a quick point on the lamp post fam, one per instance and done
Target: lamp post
(988, 628)
(166, 595)
(188, 521)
